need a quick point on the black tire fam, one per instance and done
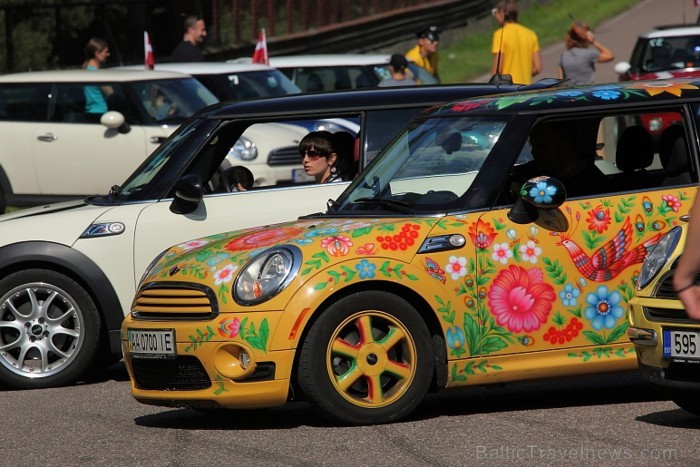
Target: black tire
(48, 317)
(334, 347)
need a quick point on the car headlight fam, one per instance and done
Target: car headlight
(266, 275)
(244, 150)
(658, 257)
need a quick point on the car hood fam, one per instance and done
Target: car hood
(59, 223)
(44, 209)
(322, 243)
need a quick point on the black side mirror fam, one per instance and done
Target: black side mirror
(189, 191)
(537, 193)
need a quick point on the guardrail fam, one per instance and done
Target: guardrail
(365, 33)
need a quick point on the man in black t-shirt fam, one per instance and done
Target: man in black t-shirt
(189, 49)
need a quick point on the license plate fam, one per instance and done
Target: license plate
(299, 176)
(684, 344)
(152, 343)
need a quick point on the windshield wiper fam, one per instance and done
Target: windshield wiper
(388, 203)
(332, 205)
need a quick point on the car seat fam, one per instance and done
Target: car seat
(314, 83)
(673, 152)
(635, 152)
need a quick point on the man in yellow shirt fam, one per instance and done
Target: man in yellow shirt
(515, 48)
(424, 54)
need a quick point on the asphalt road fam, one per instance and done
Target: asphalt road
(603, 420)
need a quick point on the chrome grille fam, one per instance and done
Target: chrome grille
(284, 156)
(174, 302)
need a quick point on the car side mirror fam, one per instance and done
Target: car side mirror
(114, 119)
(537, 193)
(622, 67)
(189, 191)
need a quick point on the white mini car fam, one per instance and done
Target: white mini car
(332, 72)
(53, 148)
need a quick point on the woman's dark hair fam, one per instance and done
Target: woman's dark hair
(326, 143)
(94, 45)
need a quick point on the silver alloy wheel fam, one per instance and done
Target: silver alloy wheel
(41, 330)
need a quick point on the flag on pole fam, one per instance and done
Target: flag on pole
(149, 60)
(260, 53)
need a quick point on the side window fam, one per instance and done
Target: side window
(68, 104)
(24, 102)
(607, 154)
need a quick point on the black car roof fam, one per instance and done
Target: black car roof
(361, 99)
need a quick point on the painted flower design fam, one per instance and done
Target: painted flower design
(217, 258)
(598, 219)
(530, 251)
(229, 327)
(455, 338)
(366, 269)
(263, 238)
(366, 249)
(337, 246)
(465, 106)
(672, 202)
(224, 274)
(606, 94)
(656, 88)
(501, 252)
(569, 296)
(482, 234)
(520, 299)
(542, 192)
(192, 244)
(603, 308)
(456, 267)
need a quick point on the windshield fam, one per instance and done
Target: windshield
(669, 53)
(427, 168)
(248, 85)
(171, 101)
(182, 144)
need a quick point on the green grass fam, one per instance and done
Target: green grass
(469, 56)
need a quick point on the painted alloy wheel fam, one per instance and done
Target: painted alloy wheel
(41, 330)
(371, 359)
(366, 359)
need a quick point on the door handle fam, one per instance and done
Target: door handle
(157, 139)
(48, 137)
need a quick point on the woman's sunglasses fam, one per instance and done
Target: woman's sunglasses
(311, 154)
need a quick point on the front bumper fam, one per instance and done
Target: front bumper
(648, 318)
(213, 365)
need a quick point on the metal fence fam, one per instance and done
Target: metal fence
(42, 34)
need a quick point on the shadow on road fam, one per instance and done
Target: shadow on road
(615, 388)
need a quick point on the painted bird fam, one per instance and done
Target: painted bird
(610, 259)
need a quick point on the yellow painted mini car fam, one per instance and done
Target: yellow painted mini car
(493, 240)
(666, 340)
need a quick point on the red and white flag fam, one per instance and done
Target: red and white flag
(260, 53)
(149, 60)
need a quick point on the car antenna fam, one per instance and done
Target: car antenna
(498, 78)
